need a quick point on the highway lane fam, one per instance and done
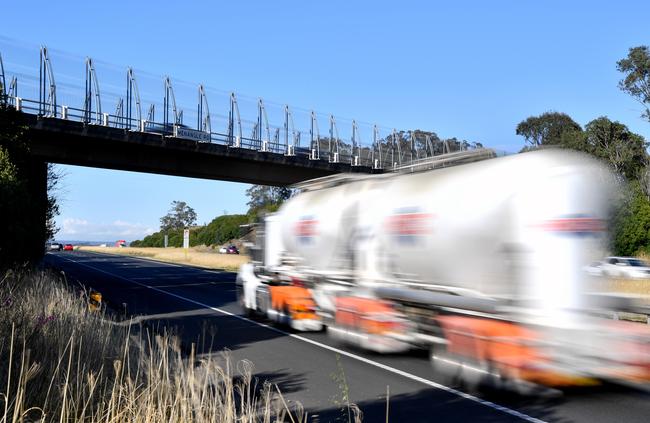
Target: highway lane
(202, 302)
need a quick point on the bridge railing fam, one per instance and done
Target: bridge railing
(80, 99)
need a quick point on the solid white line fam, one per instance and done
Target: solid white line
(411, 376)
(180, 285)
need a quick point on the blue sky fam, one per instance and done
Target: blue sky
(468, 69)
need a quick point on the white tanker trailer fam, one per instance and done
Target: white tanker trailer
(480, 262)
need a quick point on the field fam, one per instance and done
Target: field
(197, 256)
(640, 287)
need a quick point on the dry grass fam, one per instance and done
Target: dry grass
(61, 362)
(639, 287)
(199, 256)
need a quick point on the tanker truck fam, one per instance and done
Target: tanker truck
(478, 261)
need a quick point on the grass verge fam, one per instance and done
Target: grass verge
(61, 362)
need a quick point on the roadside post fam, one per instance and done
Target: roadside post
(186, 241)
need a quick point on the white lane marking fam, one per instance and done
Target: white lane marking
(180, 285)
(407, 375)
(165, 263)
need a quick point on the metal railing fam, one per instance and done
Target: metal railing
(398, 149)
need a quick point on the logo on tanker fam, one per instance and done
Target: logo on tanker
(577, 225)
(305, 229)
(409, 224)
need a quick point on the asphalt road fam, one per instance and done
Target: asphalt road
(307, 367)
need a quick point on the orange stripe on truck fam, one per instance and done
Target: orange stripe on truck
(508, 346)
(367, 315)
(297, 300)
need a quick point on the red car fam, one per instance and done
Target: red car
(68, 247)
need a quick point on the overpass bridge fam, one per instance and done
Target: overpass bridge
(76, 129)
(72, 142)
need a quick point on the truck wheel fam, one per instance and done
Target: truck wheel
(444, 365)
(287, 316)
(262, 302)
(241, 299)
(239, 289)
(478, 376)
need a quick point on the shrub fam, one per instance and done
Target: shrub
(631, 232)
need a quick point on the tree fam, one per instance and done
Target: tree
(419, 143)
(180, 216)
(222, 229)
(54, 176)
(547, 128)
(616, 144)
(632, 223)
(608, 140)
(636, 67)
(263, 197)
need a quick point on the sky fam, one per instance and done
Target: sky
(466, 69)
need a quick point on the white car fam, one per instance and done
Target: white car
(55, 246)
(620, 267)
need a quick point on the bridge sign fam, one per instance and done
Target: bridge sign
(191, 134)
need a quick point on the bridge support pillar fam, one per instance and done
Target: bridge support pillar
(23, 194)
(38, 208)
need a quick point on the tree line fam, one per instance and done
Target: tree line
(222, 229)
(615, 144)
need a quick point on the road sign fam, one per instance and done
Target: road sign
(186, 238)
(191, 134)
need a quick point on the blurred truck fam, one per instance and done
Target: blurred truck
(478, 261)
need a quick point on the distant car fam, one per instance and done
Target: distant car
(68, 247)
(620, 267)
(55, 246)
(230, 249)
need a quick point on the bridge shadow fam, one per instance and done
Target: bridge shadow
(288, 382)
(207, 331)
(428, 405)
(132, 283)
(131, 304)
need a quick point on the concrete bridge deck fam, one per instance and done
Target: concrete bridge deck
(75, 143)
